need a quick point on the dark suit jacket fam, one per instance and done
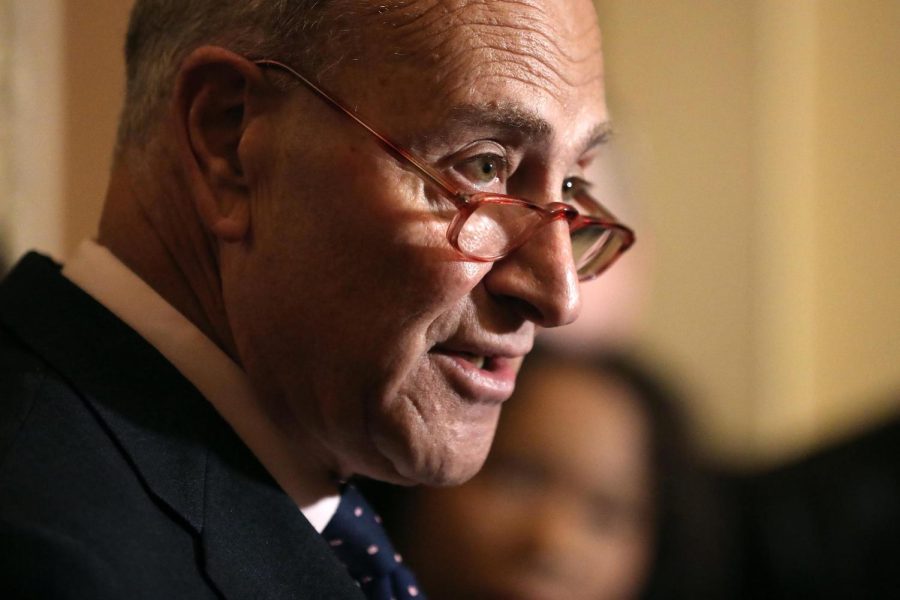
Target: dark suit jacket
(118, 480)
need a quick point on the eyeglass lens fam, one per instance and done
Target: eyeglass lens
(494, 229)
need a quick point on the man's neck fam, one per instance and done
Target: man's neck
(168, 250)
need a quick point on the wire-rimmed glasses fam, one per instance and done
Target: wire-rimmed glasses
(489, 226)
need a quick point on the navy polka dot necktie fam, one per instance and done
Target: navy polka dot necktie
(360, 542)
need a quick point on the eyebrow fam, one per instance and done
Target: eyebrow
(511, 118)
(518, 121)
(599, 135)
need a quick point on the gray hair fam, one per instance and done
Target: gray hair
(161, 33)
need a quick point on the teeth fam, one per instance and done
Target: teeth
(477, 360)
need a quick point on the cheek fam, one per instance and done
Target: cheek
(366, 272)
(358, 217)
(362, 251)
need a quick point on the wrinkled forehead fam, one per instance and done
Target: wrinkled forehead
(550, 47)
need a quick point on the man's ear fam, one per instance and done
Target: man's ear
(213, 88)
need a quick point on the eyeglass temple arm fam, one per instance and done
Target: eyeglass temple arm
(429, 173)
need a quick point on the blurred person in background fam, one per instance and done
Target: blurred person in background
(590, 491)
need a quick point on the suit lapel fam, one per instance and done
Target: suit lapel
(256, 543)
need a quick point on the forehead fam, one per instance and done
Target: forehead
(522, 59)
(543, 43)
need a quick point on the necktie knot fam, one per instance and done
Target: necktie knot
(360, 542)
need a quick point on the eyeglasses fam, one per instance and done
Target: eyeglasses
(489, 226)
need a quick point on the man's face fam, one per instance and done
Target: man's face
(375, 346)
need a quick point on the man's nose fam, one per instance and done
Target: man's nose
(540, 279)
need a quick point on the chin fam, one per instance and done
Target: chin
(446, 444)
(428, 461)
(443, 465)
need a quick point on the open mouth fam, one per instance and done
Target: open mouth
(484, 378)
(476, 360)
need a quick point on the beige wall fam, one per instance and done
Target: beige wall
(764, 142)
(679, 77)
(857, 253)
(65, 86)
(94, 85)
(5, 127)
(33, 113)
(757, 141)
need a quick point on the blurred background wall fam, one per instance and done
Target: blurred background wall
(65, 72)
(762, 140)
(756, 152)
(5, 113)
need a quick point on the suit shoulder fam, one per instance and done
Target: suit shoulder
(22, 375)
(39, 563)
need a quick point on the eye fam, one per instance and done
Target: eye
(576, 191)
(573, 188)
(484, 169)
